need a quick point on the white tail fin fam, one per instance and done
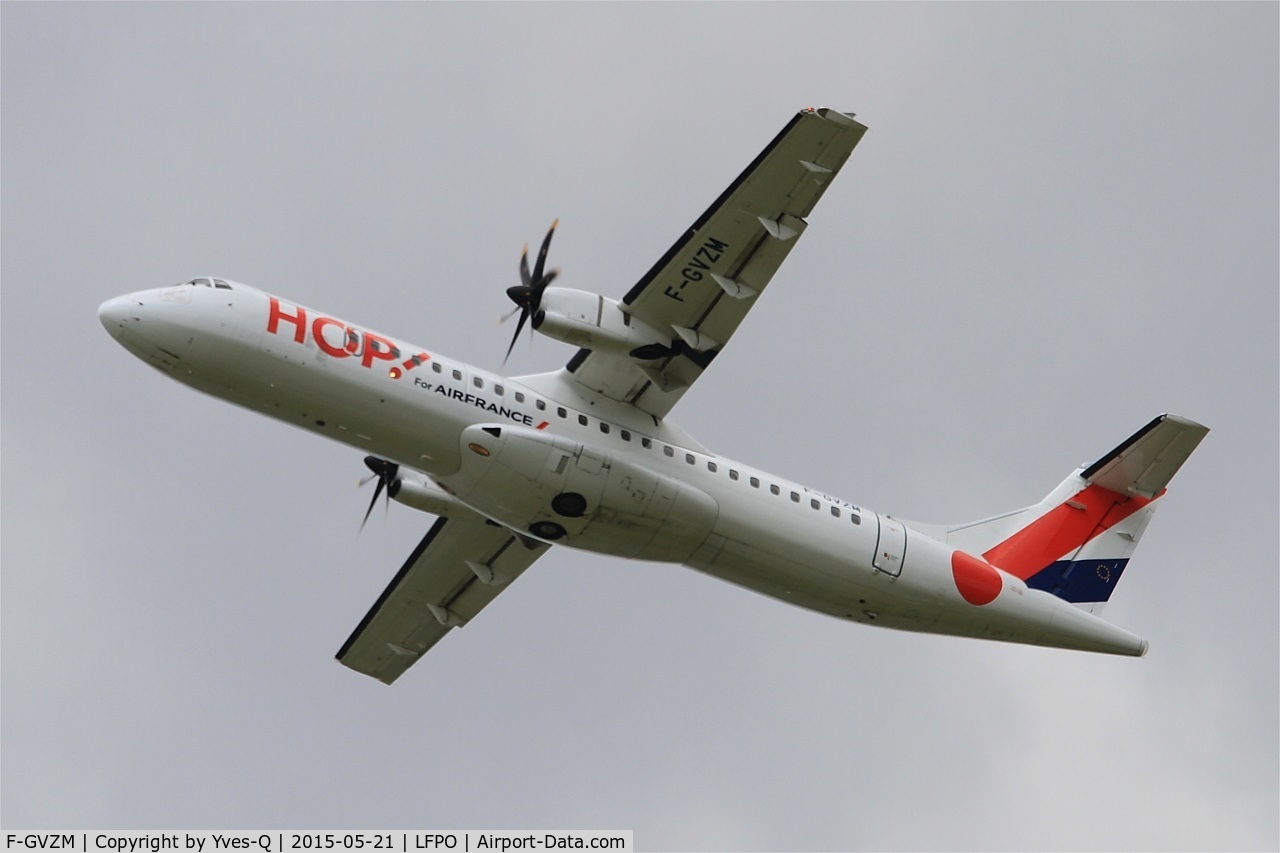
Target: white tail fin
(1077, 541)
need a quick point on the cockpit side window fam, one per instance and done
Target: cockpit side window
(208, 282)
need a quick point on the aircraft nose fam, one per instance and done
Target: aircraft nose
(114, 313)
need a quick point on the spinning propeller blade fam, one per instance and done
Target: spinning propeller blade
(528, 294)
(386, 472)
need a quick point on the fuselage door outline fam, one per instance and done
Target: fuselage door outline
(891, 546)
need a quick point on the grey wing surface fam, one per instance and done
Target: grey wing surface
(457, 569)
(705, 284)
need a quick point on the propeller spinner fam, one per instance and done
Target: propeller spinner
(528, 294)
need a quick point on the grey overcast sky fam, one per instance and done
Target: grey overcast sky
(1062, 222)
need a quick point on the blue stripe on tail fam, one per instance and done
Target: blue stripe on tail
(1079, 581)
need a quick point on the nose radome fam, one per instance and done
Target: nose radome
(113, 312)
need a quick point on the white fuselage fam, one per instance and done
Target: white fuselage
(505, 448)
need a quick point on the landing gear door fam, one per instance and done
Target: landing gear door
(891, 546)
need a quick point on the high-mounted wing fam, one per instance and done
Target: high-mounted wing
(457, 569)
(704, 285)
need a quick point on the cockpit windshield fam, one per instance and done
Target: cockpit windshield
(207, 282)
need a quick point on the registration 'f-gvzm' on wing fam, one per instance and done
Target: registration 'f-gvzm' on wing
(586, 457)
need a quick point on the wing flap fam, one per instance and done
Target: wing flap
(458, 568)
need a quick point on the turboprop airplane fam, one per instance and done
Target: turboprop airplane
(586, 457)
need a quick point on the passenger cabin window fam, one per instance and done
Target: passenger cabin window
(499, 390)
(795, 497)
(561, 412)
(668, 450)
(755, 482)
(541, 405)
(835, 510)
(855, 518)
(646, 442)
(457, 374)
(626, 436)
(711, 466)
(773, 487)
(437, 367)
(688, 457)
(733, 475)
(813, 502)
(477, 381)
(582, 419)
(519, 397)
(604, 427)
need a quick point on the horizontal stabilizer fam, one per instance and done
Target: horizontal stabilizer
(1145, 463)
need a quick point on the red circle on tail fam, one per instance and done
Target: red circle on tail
(978, 581)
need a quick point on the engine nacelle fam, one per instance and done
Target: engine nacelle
(591, 321)
(422, 494)
(563, 491)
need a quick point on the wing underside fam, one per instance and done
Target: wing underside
(703, 287)
(457, 569)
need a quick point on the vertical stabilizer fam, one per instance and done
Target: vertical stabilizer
(1078, 540)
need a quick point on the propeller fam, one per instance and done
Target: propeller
(528, 294)
(386, 472)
